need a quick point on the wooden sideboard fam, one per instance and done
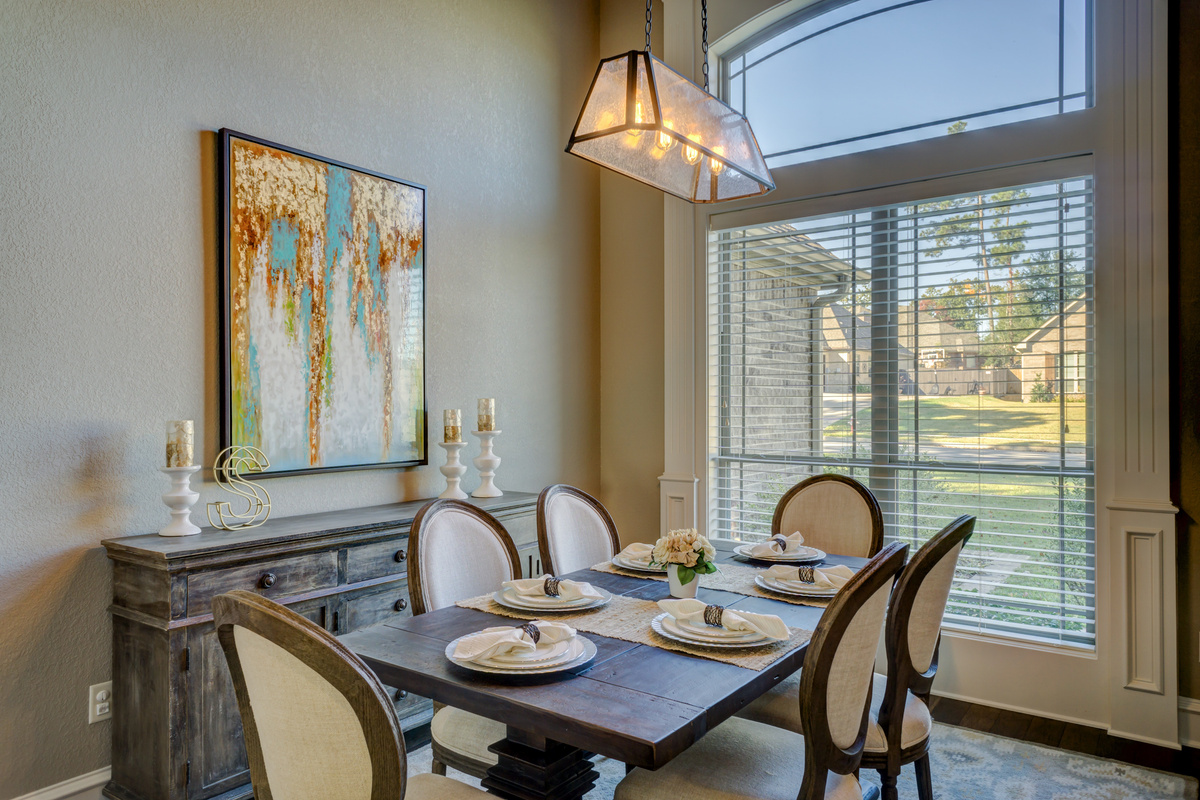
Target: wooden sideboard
(177, 734)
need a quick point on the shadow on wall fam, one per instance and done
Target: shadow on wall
(57, 633)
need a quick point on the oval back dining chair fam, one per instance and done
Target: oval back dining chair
(317, 723)
(903, 722)
(456, 551)
(574, 529)
(745, 759)
(835, 513)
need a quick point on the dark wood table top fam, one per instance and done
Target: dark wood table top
(635, 703)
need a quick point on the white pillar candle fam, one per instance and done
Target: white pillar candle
(452, 422)
(179, 443)
(487, 414)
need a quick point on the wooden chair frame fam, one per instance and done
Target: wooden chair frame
(863, 491)
(321, 651)
(543, 504)
(820, 752)
(443, 757)
(902, 676)
(430, 511)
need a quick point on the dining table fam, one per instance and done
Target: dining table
(635, 702)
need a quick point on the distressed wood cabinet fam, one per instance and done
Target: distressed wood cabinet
(177, 734)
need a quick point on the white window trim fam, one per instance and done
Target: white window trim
(1132, 686)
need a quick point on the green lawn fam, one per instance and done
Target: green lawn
(974, 420)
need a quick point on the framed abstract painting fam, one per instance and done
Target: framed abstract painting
(323, 296)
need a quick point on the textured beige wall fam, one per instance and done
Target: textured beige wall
(631, 317)
(107, 232)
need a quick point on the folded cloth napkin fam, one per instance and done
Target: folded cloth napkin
(815, 577)
(638, 551)
(548, 586)
(491, 642)
(698, 612)
(778, 545)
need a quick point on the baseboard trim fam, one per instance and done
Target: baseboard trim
(72, 786)
(1189, 722)
(1036, 712)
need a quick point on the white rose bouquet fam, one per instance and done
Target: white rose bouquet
(687, 549)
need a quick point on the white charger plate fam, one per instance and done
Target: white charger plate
(802, 556)
(636, 566)
(511, 599)
(587, 652)
(666, 626)
(796, 591)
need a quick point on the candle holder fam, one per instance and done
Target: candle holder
(180, 500)
(453, 470)
(486, 462)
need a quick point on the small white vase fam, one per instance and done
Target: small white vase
(679, 589)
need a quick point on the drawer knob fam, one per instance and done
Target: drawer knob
(401, 604)
(267, 580)
(401, 694)
(400, 556)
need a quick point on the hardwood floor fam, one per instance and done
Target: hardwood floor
(1066, 735)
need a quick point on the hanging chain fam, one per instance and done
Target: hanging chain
(649, 20)
(704, 39)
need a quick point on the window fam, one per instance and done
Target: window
(917, 348)
(915, 68)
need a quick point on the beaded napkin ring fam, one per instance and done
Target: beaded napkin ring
(807, 575)
(551, 587)
(712, 615)
(532, 632)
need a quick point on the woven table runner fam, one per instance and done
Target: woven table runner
(732, 578)
(628, 618)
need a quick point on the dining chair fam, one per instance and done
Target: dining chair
(456, 551)
(835, 513)
(317, 723)
(574, 530)
(745, 759)
(900, 725)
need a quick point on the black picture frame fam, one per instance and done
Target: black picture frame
(226, 137)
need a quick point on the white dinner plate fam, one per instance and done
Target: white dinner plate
(666, 626)
(556, 654)
(705, 631)
(547, 651)
(795, 589)
(511, 599)
(636, 566)
(801, 556)
(585, 648)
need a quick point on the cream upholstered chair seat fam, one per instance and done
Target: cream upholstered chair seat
(780, 707)
(738, 759)
(466, 735)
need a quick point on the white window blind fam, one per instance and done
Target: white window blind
(940, 352)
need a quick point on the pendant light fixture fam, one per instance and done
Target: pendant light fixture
(644, 120)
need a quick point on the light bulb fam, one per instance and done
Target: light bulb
(717, 166)
(637, 117)
(665, 141)
(690, 154)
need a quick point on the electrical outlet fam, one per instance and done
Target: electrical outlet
(99, 702)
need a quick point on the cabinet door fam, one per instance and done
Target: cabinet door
(530, 560)
(216, 751)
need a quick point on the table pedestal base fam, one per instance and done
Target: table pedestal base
(536, 768)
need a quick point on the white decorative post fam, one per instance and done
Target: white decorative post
(486, 462)
(180, 500)
(453, 469)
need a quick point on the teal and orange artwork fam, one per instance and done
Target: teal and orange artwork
(325, 281)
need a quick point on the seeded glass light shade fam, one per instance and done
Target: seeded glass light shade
(643, 119)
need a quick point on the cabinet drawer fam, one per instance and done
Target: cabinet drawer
(521, 527)
(275, 579)
(377, 560)
(369, 609)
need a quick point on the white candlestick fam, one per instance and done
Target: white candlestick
(453, 470)
(180, 500)
(486, 462)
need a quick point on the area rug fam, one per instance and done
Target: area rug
(968, 765)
